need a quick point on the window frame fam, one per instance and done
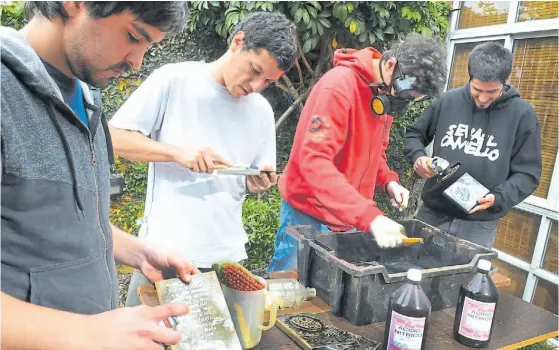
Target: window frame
(546, 208)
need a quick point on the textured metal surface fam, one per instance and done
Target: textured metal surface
(312, 333)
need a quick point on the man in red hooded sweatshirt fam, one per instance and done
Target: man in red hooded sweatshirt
(338, 156)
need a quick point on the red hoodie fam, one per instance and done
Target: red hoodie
(338, 155)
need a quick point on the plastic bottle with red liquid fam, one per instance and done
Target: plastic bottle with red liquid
(408, 315)
(475, 313)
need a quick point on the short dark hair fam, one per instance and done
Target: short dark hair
(271, 31)
(167, 16)
(490, 62)
(424, 58)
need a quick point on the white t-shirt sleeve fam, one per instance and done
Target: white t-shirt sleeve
(267, 151)
(143, 111)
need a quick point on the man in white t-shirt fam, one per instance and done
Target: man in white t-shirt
(199, 115)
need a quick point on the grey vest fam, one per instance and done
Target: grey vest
(57, 246)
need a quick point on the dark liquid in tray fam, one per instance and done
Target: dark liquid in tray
(360, 249)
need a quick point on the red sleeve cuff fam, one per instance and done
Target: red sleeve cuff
(364, 223)
(385, 180)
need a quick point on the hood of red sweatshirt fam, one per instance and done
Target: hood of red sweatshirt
(358, 60)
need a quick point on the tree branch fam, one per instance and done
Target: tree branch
(284, 88)
(294, 91)
(325, 54)
(321, 64)
(299, 72)
(305, 62)
(291, 108)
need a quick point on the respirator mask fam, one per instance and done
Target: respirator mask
(404, 93)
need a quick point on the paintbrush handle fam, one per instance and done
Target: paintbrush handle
(410, 241)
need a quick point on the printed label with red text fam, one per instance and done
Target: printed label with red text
(476, 319)
(405, 332)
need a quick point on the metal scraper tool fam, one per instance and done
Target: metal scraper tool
(237, 170)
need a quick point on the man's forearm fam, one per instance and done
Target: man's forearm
(28, 327)
(136, 146)
(128, 249)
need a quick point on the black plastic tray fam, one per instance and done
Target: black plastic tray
(356, 278)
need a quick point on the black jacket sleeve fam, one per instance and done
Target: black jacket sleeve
(525, 168)
(421, 132)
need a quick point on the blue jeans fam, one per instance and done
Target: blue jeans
(285, 248)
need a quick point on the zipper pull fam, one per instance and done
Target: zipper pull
(92, 154)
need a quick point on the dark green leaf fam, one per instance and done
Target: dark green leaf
(307, 46)
(389, 30)
(381, 22)
(371, 38)
(235, 18)
(326, 23)
(293, 9)
(298, 15)
(379, 34)
(343, 13)
(312, 11)
(306, 17)
(384, 14)
(315, 4)
(231, 10)
(314, 41)
(374, 20)
(337, 12)
(363, 37)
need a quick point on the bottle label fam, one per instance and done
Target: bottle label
(405, 332)
(476, 319)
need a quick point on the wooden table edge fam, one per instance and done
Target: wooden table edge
(531, 341)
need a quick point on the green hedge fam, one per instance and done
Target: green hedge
(261, 221)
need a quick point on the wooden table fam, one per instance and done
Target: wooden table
(517, 324)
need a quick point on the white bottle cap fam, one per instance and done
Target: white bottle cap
(484, 265)
(311, 292)
(414, 275)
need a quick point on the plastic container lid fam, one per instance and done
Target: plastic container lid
(484, 265)
(414, 275)
(311, 292)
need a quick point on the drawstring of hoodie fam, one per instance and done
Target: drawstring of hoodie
(68, 153)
